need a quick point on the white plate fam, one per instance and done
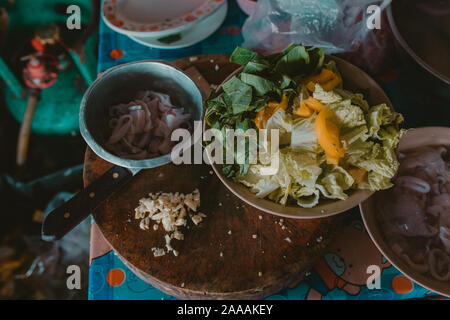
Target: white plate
(156, 17)
(197, 33)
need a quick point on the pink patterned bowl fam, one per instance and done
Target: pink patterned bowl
(156, 18)
(247, 5)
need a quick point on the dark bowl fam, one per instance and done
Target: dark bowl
(410, 47)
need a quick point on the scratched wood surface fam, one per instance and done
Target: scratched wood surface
(237, 252)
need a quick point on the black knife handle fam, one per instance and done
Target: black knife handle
(66, 217)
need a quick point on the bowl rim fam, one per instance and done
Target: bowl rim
(101, 151)
(409, 50)
(162, 30)
(357, 196)
(382, 245)
(247, 6)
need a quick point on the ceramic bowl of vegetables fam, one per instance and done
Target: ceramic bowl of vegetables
(336, 130)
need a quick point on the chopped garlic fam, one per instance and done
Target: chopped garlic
(171, 211)
(158, 252)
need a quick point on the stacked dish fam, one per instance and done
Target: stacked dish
(247, 5)
(167, 25)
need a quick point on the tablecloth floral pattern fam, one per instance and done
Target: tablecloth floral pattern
(340, 274)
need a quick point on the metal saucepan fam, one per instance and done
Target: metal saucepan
(117, 85)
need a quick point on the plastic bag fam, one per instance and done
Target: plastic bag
(335, 25)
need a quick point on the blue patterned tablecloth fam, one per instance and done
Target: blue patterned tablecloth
(340, 274)
(224, 40)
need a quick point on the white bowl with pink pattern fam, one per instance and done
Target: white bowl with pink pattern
(155, 17)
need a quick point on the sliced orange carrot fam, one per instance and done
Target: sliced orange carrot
(265, 114)
(330, 85)
(274, 107)
(332, 160)
(333, 129)
(314, 104)
(284, 102)
(270, 106)
(328, 135)
(259, 119)
(358, 174)
(324, 76)
(303, 111)
(311, 86)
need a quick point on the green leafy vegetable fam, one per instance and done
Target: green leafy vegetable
(243, 56)
(261, 85)
(255, 67)
(239, 93)
(293, 60)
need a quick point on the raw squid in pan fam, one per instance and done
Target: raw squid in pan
(142, 128)
(415, 217)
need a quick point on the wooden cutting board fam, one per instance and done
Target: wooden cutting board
(237, 252)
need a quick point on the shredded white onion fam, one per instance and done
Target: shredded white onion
(142, 128)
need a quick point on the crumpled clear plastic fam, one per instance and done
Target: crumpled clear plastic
(337, 26)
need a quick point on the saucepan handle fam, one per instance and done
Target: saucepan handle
(66, 217)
